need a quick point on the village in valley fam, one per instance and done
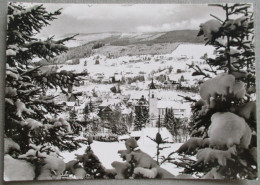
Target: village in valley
(109, 97)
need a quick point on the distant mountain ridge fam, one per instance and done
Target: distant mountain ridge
(123, 39)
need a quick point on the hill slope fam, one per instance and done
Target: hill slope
(189, 36)
(122, 44)
(183, 36)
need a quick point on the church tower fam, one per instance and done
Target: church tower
(153, 100)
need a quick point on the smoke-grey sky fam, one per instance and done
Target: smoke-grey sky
(85, 18)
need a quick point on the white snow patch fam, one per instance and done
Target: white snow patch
(193, 50)
(107, 152)
(17, 170)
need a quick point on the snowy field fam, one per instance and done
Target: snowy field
(107, 153)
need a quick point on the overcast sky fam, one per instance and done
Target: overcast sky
(85, 18)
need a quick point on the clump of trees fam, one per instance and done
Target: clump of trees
(174, 125)
(98, 45)
(141, 117)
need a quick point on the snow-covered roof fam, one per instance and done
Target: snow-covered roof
(126, 111)
(162, 104)
(70, 104)
(110, 102)
(93, 115)
(118, 77)
(160, 73)
(134, 84)
(137, 96)
(173, 77)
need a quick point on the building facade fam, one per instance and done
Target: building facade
(158, 106)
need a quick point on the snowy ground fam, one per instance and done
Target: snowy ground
(137, 64)
(107, 153)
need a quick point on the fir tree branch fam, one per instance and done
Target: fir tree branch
(187, 98)
(216, 18)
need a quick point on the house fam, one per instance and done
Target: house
(82, 99)
(105, 113)
(110, 102)
(98, 76)
(182, 57)
(142, 101)
(142, 104)
(126, 111)
(118, 77)
(125, 98)
(106, 80)
(129, 102)
(70, 105)
(107, 106)
(170, 84)
(96, 101)
(80, 109)
(73, 98)
(133, 85)
(129, 74)
(179, 109)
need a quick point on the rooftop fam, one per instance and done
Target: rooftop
(162, 104)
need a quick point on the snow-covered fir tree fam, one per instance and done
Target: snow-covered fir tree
(223, 124)
(171, 123)
(73, 115)
(33, 132)
(141, 118)
(86, 112)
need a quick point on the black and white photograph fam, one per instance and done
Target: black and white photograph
(130, 91)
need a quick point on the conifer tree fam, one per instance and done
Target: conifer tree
(86, 112)
(73, 115)
(159, 141)
(27, 107)
(223, 124)
(141, 118)
(171, 123)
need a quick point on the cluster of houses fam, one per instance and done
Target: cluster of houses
(102, 105)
